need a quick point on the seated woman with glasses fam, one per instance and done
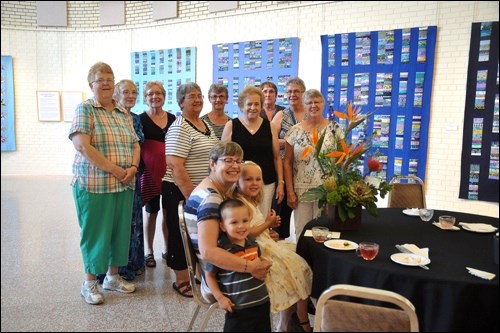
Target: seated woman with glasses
(217, 118)
(202, 213)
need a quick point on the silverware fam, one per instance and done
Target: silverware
(405, 250)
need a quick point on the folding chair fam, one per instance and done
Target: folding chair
(407, 192)
(194, 269)
(333, 315)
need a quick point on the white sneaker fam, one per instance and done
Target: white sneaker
(117, 283)
(91, 292)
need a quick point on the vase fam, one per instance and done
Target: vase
(334, 220)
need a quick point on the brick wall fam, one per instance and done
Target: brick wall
(59, 58)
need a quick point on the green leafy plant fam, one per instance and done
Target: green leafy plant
(343, 184)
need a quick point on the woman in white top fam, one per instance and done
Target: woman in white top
(303, 173)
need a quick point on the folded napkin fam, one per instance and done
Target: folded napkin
(481, 274)
(424, 252)
(481, 227)
(331, 234)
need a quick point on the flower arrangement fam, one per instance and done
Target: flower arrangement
(343, 184)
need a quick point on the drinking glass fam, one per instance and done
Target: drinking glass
(447, 221)
(425, 214)
(367, 250)
(320, 234)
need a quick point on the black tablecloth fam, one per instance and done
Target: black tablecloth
(446, 297)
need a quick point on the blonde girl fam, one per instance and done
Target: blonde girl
(289, 279)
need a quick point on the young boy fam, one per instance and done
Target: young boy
(244, 297)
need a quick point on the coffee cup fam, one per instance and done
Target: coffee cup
(446, 221)
(425, 214)
(320, 234)
(367, 250)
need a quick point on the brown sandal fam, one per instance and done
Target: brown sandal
(150, 260)
(305, 326)
(183, 289)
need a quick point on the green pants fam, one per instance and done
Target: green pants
(105, 222)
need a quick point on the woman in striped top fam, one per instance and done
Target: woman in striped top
(188, 142)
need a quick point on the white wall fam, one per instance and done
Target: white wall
(58, 59)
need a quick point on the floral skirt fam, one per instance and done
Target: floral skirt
(290, 277)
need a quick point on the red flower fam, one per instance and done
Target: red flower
(374, 164)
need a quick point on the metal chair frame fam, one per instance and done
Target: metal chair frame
(367, 294)
(194, 269)
(405, 191)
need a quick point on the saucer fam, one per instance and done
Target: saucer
(454, 228)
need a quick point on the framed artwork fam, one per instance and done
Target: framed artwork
(8, 117)
(49, 106)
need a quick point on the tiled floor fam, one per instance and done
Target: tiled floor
(42, 271)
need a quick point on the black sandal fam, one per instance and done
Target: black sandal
(150, 260)
(183, 289)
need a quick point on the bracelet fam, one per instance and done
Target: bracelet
(281, 182)
(134, 166)
(246, 266)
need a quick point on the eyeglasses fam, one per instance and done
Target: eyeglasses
(107, 81)
(296, 92)
(195, 97)
(129, 93)
(152, 93)
(231, 161)
(216, 97)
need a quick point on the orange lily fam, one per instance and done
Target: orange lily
(340, 155)
(306, 152)
(354, 116)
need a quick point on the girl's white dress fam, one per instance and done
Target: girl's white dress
(290, 277)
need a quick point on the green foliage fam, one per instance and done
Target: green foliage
(344, 185)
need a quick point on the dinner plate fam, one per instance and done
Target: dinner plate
(481, 230)
(410, 259)
(341, 244)
(411, 212)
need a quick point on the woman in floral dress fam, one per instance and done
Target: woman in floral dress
(302, 170)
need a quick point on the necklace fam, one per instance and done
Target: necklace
(216, 188)
(248, 125)
(155, 115)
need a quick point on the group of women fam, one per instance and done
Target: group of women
(102, 172)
